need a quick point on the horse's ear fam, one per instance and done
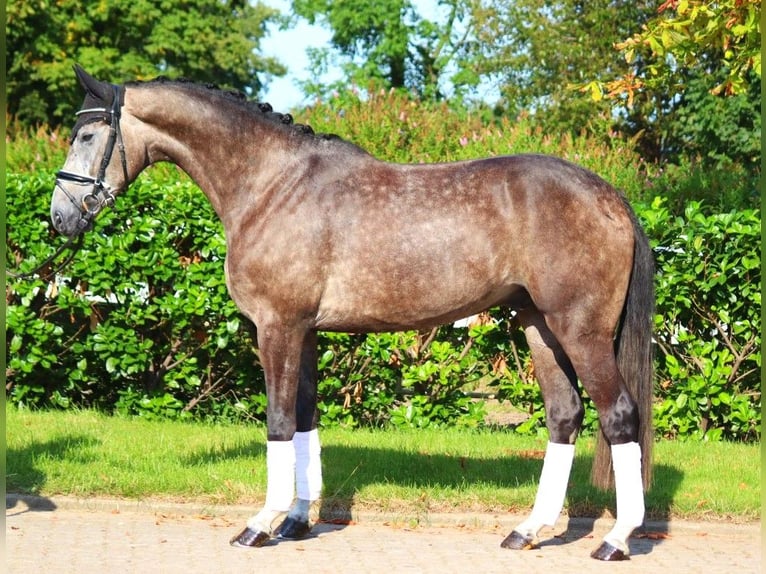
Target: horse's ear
(97, 89)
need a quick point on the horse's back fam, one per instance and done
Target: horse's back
(412, 245)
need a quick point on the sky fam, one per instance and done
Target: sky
(289, 46)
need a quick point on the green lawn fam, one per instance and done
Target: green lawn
(405, 472)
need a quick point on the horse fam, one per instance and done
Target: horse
(322, 236)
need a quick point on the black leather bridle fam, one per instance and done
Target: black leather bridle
(101, 195)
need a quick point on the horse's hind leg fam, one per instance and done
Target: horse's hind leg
(564, 414)
(591, 352)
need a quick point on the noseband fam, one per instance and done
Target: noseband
(101, 195)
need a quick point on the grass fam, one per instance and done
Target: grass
(409, 473)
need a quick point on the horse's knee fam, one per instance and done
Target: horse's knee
(280, 427)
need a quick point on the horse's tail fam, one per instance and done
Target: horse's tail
(635, 358)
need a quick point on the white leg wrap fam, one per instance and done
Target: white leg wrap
(626, 459)
(552, 489)
(308, 465)
(280, 467)
(280, 484)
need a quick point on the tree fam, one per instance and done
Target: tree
(535, 51)
(387, 42)
(692, 85)
(530, 52)
(693, 33)
(212, 41)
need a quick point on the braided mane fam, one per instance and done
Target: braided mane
(263, 109)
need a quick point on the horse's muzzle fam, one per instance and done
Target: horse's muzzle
(68, 222)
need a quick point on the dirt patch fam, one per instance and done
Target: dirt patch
(503, 414)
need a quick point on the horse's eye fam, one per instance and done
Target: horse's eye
(85, 138)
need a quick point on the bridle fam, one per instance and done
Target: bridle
(101, 195)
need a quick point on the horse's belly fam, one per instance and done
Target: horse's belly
(405, 306)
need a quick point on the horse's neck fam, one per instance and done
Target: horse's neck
(201, 139)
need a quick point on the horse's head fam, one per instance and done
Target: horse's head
(96, 167)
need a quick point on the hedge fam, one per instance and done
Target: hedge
(140, 321)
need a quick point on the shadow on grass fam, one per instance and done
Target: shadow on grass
(348, 469)
(24, 477)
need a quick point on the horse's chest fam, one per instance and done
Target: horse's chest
(260, 285)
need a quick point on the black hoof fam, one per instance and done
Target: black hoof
(250, 538)
(609, 553)
(517, 541)
(292, 529)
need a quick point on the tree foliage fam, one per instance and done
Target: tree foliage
(535, 55)
(689, 34)
(692, 86)
(205, 40)
(387, 42)
(535, 51)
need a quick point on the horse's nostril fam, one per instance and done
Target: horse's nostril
(57, 219)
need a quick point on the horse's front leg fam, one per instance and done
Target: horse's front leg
(280, 353)
(308, 464)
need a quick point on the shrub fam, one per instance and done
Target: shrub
(708, 322)
(396, 128)
(140, 321)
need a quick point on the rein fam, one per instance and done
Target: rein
(100, 196)
(73, 242)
